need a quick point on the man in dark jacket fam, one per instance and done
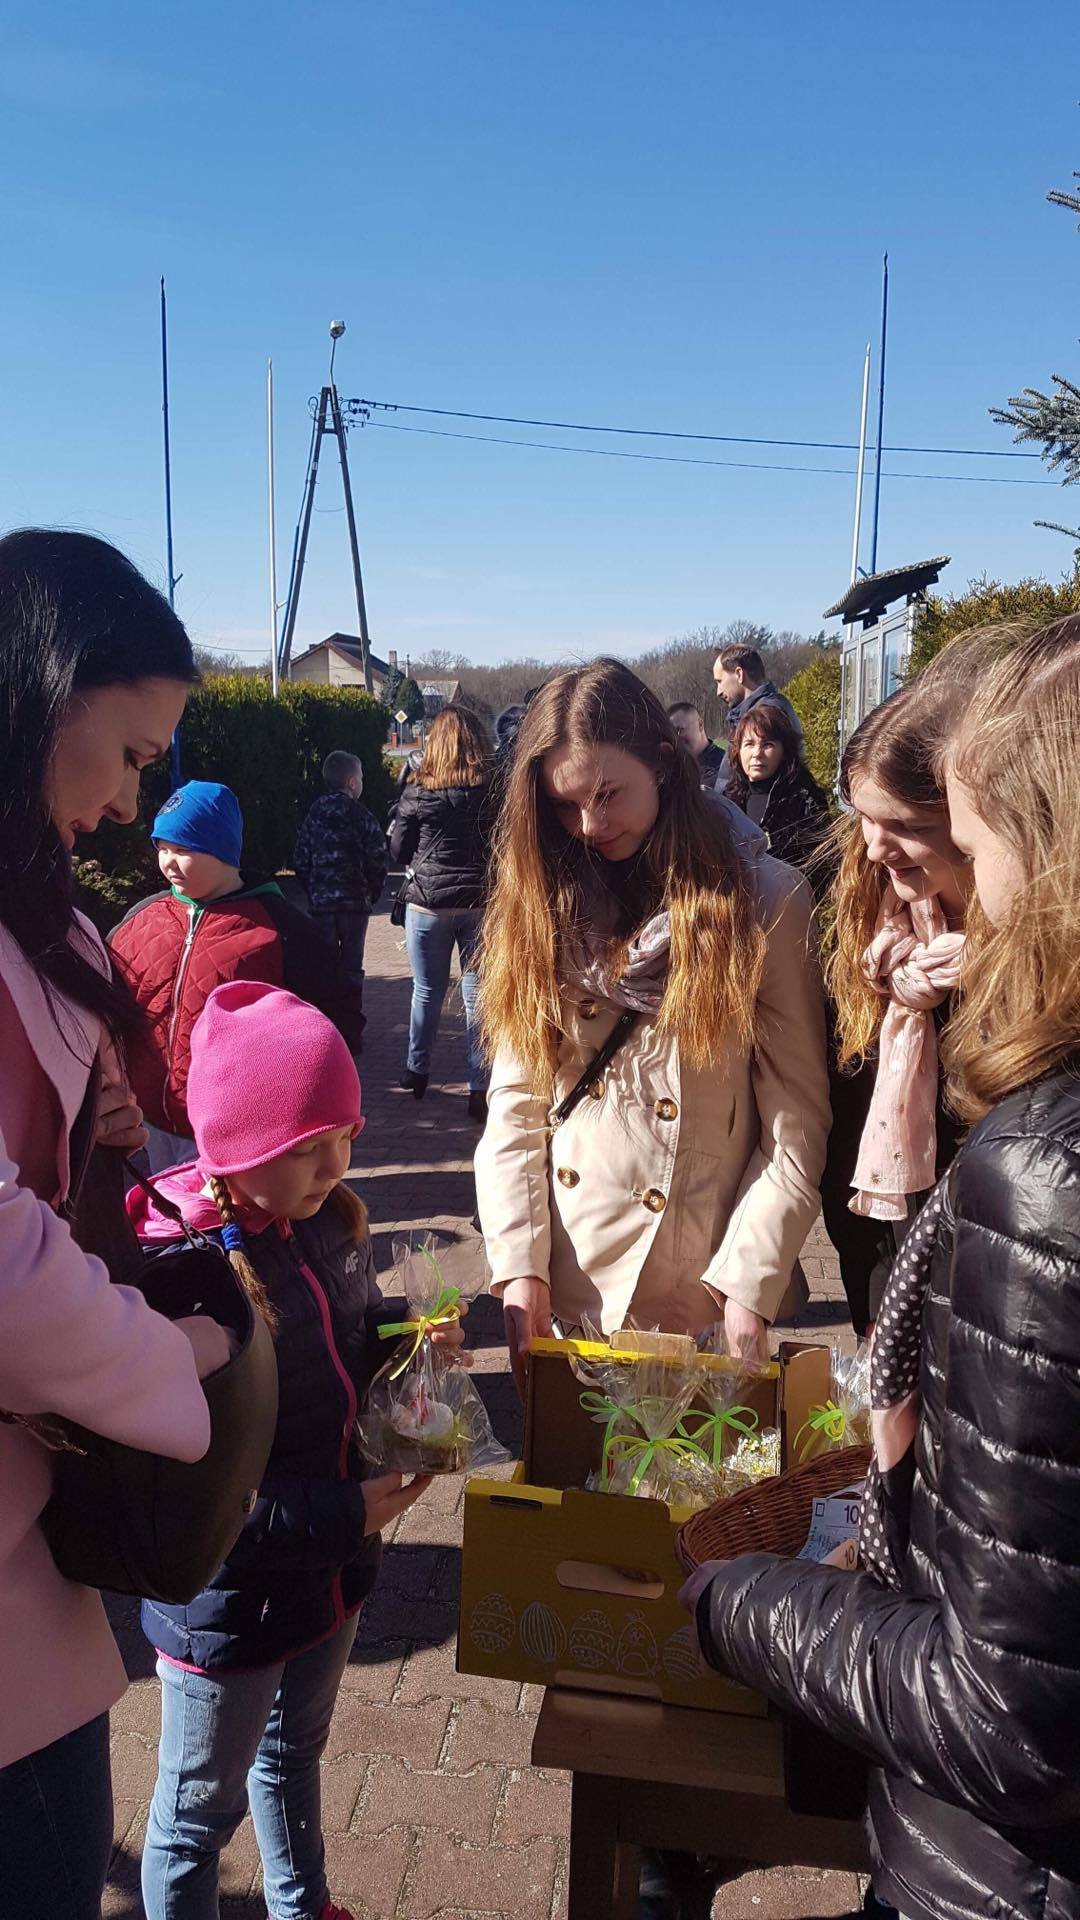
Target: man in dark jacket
(741, 682)
(341, 859)
(213, 923)
(690, 727)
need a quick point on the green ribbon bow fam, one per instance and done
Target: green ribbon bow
(600, 1406)
(443, 1314)
(739, 1419)
(639, 1447)
(830, 1420)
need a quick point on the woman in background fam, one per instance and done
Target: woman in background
(894, 934)
(440, 831)
(772, 783)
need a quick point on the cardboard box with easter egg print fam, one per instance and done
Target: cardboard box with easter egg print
(565, 1587)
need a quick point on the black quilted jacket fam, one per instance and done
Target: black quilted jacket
(442, 833)
(964, 1690)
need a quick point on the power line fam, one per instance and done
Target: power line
(664, 433)
(690, 460)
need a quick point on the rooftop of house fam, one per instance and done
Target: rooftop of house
(349, 644)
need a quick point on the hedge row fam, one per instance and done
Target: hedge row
(269, 751)
(815, 695)
(1034, 602)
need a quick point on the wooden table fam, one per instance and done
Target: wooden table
(647, 1775)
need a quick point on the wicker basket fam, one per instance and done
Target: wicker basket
(774, 1516)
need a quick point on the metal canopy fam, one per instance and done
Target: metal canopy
(868, 599)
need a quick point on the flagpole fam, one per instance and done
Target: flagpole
(861, 468)
(171, 577)
(273, 531)
(881, 410)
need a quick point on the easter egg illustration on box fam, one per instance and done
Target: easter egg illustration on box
(492, 1623)
(542, 1634)
(592, 1641)
(681, 1658)
(636, 1653)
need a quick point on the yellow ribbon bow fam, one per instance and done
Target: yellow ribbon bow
(829, 1420)
(443, 1314)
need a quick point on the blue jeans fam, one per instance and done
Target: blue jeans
(430, 939)
(346, 929)
(233, 1739)
(56, 1828)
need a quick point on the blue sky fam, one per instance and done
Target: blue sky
(586, 209)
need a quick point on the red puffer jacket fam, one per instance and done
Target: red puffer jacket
(174, 951)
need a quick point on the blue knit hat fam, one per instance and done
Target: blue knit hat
(203, 817)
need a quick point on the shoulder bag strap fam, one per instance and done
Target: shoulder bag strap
(192, 1235)
(623, 1027)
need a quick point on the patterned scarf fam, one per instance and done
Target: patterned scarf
(895, 1402)
(641, 983)
(914, 961)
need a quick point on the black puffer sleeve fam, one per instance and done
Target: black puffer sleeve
(974, 1695)
(405, 832)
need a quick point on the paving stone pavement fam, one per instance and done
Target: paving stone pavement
(430, 1806)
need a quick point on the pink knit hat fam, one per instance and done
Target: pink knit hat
(267, 1072)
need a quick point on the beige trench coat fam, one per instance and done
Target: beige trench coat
(668, 1188)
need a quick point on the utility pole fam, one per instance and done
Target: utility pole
(328, 419)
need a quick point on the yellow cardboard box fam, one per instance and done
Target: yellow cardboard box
(567, 1588)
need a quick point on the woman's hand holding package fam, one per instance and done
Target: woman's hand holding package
(388, 1495)
(527, 1313)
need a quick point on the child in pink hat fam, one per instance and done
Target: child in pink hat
(250, 1669)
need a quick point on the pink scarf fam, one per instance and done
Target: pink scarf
(914, 961)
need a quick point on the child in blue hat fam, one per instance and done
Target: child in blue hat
(214, 922)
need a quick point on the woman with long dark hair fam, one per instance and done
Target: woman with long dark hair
(441, 832)
(94, 673)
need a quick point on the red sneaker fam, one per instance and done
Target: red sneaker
(330, 1912)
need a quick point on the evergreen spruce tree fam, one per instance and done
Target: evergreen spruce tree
(1050, 420)
(391, 693)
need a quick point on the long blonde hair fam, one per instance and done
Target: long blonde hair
(458, 751)
(689, 866)
(1015, 753)
(899, 746)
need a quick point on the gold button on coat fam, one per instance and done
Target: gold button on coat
(568, 1176)
(665, 1109)
(653, 1199)
(596, 1090)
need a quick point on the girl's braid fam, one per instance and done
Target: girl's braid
(238, 1259)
